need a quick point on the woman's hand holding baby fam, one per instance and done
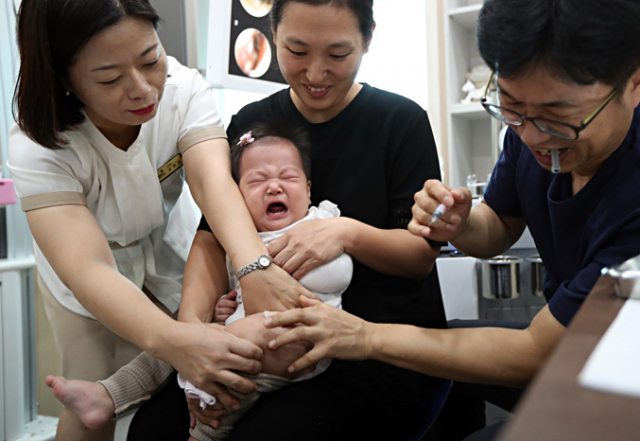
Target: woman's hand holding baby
(271, 290)
(334, 333)
(309, 245)
(207, 356)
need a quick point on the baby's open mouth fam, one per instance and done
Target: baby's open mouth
(276, 208)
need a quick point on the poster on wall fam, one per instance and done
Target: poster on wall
(241, 55)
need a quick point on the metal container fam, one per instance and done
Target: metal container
(501, 277)
(538, 274)
(627, 278)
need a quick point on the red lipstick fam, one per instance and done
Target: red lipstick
(144, 111)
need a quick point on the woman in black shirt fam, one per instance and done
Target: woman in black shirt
(372, 150)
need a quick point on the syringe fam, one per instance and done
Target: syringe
(438, 213)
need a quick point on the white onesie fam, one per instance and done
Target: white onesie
(328, 282)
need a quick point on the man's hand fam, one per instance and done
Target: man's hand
(458, 203)
(335, 333)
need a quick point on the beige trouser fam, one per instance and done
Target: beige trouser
(88, 350)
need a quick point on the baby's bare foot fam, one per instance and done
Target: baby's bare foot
(89, 401)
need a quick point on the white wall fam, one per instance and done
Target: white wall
(397, 59)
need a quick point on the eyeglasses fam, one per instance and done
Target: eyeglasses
(556, 128)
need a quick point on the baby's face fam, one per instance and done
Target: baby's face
(273, 184)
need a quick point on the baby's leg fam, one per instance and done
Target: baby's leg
(274, 362)
(98, 403)
(265, 383)
(88, 400)
(274, 374)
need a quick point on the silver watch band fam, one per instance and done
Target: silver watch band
(247, 269)
(262, 262)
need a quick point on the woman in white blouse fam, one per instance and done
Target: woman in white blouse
(105, 120)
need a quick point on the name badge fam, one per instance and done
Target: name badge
(170, 167)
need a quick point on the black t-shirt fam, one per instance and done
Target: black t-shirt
(370, 160)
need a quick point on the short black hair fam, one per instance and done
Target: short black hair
(263, 131)
(50, 34)
(585, 41)
(361, 9)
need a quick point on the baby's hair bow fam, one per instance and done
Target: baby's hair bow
(246, 139)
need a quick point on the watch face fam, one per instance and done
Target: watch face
(264, 261)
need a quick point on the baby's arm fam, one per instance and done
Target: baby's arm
(332, 277)
(205, 279)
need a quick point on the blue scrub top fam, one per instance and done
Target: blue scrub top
(576, 235)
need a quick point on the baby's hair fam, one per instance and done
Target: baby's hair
(269, 131)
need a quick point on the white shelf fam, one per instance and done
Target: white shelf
(472, 111)
(467, 16)
(471, 133)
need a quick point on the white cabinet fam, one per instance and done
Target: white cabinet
(469, 143)
(459, 286)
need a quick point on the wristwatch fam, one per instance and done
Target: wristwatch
(261, 262)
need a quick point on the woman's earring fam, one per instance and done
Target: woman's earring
(67, 93)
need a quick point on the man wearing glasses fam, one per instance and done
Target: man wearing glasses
(567, 82)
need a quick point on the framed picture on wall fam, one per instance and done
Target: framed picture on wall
(241, 54)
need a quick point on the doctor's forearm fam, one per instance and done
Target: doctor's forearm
(509, 357)
(471, 355)
(486, 234)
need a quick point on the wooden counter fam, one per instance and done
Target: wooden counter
(556, 407)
